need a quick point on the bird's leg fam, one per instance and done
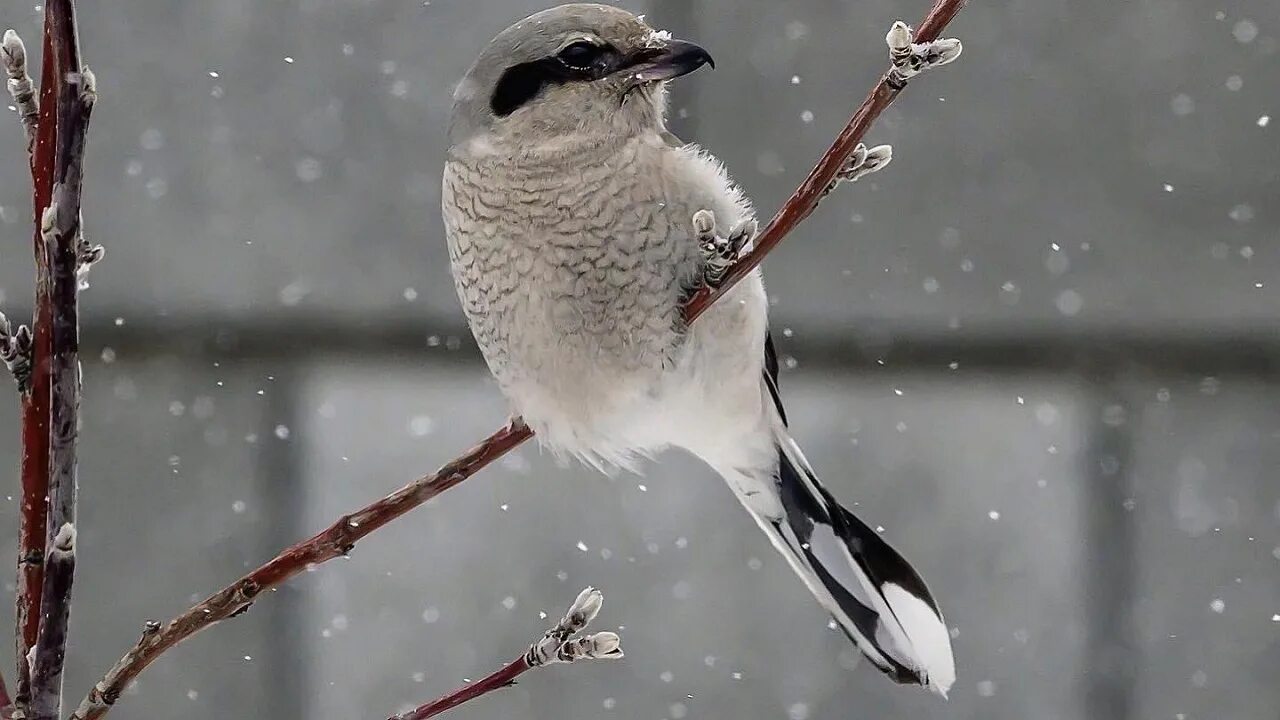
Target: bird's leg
(863, 161)
(719, 253)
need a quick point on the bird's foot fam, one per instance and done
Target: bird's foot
(720, 252)
(911, 58)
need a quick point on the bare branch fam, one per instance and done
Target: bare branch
(32, 524)
(339, 538)
(61, 238)
(336, 541)
(557, 645)
(55, 610)
(806, 197)
(14, 54)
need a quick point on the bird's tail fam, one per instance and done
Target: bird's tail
(875, 596)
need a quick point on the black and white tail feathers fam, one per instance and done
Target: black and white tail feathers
(875, 596)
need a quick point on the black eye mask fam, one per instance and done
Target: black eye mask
(578, 62)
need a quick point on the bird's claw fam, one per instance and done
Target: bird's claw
(911, 58)
(719, 253)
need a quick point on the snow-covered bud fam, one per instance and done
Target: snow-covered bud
(898, 38)
(15, 54)
(558, 645)
(583, 610)
(604, 646)
(65, 540)
(49, 221)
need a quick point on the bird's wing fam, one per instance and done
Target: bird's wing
(771, 376)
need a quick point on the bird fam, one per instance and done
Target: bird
(577, 227)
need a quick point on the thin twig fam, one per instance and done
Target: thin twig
(14, 54)
(61, 222)
(806, 197)
(55, 610)
(342, 536)
(33, 518)
(493, 681)
(74, 92)
(557, 645)
(334, 542)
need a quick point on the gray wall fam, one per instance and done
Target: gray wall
(273, 339)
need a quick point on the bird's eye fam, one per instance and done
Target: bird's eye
(579, 55)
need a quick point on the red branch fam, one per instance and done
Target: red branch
(36, 411)
(334, 542)
(51, 645)
(50, 402)
(803, 201)
(339, 538)
(561, 644)
(494, 681)
(60, 227)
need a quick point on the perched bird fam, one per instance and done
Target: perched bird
(577, 226)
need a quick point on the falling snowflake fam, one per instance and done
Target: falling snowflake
(1244, 31)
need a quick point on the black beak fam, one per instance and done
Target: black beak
(673, 59)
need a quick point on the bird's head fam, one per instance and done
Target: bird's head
(574, 73)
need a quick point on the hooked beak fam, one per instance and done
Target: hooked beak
(674, 59)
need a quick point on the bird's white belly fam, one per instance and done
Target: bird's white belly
(706, 395)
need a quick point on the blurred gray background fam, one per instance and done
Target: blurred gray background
(1041, 351)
